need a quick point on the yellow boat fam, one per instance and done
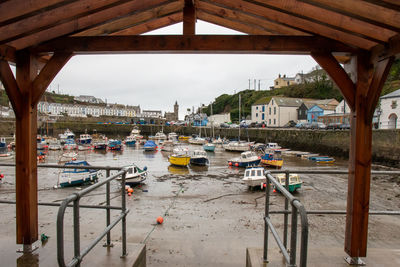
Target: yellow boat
(179, 160)
(183, 138)
(272, 160)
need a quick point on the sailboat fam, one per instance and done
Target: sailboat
(210, 147)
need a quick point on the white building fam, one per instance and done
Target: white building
(342, 107)
(259, 110)
(389, 111)
(281, 110)
(217, 119)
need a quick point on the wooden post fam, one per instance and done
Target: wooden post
(189, 18)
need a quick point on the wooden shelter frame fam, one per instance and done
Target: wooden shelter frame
(39, 37)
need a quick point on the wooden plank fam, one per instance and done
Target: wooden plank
(47, 74)
(377, 15)
(11, 86)
(151, 25)
(252, 44)
(378, 80)
(26, 165)
(140, 16)
(297, 23)
(189, 18)
(84, 23)
(338, 75)
(330, 18)
(7, 53)
(53, 17)
(356, 236)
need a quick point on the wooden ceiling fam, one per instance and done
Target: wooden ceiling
(277, 25)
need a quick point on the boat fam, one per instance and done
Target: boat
(272, 160)
(236, 146)
(179, 157)
(246, 159)
(254, 176)
(77, 177)
(172, 136)
(68, 156)
(68, 134)
(84, 147)
(55, 147)
(4, 156)
(41, 143)
(167, 146)
(322, 159)
(150, 146)
(183, 138)
(115, 145)
(136, 133)
(100, 145)
(307, 156)
(85, 139)
(130, 140)
(199, 157)
(70, 144)
(197, 141)
(272, 146)
(41, 156)
(294, 181)
(158, 136)
(210, 147)
(3, 142)
(134, 175)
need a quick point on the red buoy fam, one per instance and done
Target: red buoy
(237, 164)
(160, 220)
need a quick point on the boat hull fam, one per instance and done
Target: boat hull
(199, 161)
(179, 160)
(209, 148)
(92, 178)
(275, 163)
(244, 164)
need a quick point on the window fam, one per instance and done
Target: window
(394, 104)
(269, 122)
(287, 83)
(274, 110)
(300, 112)
(272, 101)
(257, 108)
(256, 114)
(262, 116)
(269, 110)
(263, 108)
(276, 83)
(274, 121)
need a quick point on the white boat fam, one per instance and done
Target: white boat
(66, 135)
(238, 146)
(158, 136)
(246, 159)
(254, 176)
(199, 157)
(272, 146)
(68, 156)
(77, 177)
(70, 145)
(173, 136)
(84, 147)
(167, 146)
(85, 139)
(197, 141)
(134, 175)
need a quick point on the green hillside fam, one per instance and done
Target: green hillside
(322, 89)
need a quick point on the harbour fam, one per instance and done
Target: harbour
(210, 215)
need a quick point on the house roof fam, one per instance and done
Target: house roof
(288, 101)
(291, 26)
(262, 101)
(392, 94)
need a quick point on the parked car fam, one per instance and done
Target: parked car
(234, 125)
(290, 124)
(253, 125)
(345, 126)
(299, 125)
(224, 125)
(333, 126)
(318, 125)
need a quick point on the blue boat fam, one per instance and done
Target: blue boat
(85, 139)
(209, 147)
(199, 157)
(76, 177)
(150, 146)
(115, 145)
(322, 159)
(246, 159)
(130, 140)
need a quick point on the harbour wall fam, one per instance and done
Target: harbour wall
(385, 143)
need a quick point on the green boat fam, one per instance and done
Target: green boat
(294, 181)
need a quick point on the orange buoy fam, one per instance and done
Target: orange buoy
(230, 163)
(274, 191)
(237, 164)
(129, 194)
(160, 220)
(130, 190)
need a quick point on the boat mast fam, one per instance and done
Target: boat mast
(239, 118)
(212, 122)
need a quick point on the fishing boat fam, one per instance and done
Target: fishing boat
(115, 145)
(3, 142)
(68, 156)
(84, 147)
(77, 177)
(150, 146)
(70, 144)
(272, 146)
(236, 146)
(272, 160)
(322, 159)
(254, 176)
(197, 141)
(55, 146)
(100, 145)
(136, 133)
(179, 157)
(199, 157)
(210, 147)
(41, 143)
(134, 175)
(246, 159)
(172, 136)
(41, 156)
(130, 140)
(68, 134)
(85, 139)
(167, 146)
(294, 181)
(183, 138)
(158, 136)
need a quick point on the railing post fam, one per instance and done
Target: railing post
(77, 247)
(293, 237)
(108, 218)
(267, 190)
(124, 217)
(286, 215)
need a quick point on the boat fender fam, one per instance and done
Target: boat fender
(237, 164)
(230, 163)
(145, 168)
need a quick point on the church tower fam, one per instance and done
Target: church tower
(176, 111)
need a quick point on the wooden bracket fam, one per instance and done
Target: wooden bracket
(11, 86)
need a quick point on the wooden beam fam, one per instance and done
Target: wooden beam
(296, 22)
(84, 23)
(360, 156)
(151, 25)
(338, 75)
(189, 18)
(26, 165)
(7, 53)
(47, 74)
(252, 44)
(11, 86)
(392, 48)
(378, 80)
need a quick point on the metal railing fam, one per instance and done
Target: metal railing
(299, 209)
(74, 199)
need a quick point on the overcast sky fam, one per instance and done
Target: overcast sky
(155, 82)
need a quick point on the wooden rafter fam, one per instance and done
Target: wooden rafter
(11, 86)
(47, 74)
(151, 25)
(189, 18)
(295, 22)
(339, 75)
(330, 19)
(241, 18)
(140, 16)
(7, 53)
(392, 48)
(252, 44)
(87, 22)
(362, 10)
